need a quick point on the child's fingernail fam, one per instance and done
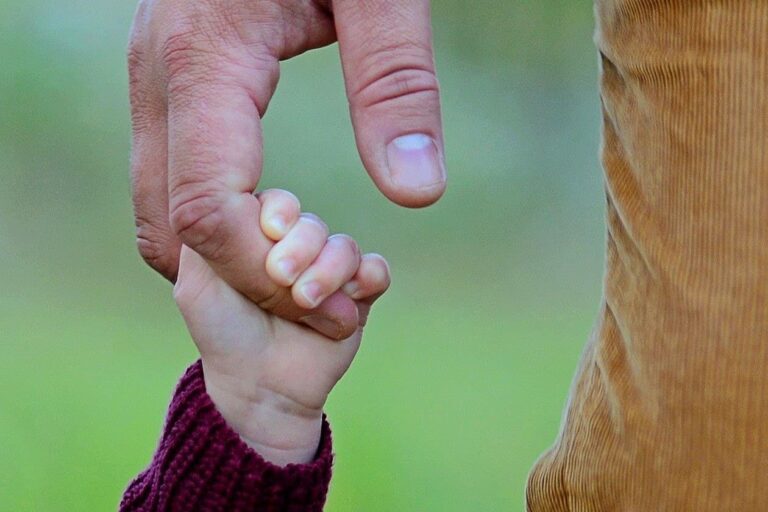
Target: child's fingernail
(287, 269)
(278, 224)
(415, 162)
(323, 325)
(351, 288)
(312, 292)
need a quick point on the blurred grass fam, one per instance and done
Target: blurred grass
(467, 361)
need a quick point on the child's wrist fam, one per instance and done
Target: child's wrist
(279, 429)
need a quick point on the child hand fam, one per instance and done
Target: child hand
(270, 377)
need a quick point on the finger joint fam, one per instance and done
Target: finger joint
(198, 221)
(396, 73)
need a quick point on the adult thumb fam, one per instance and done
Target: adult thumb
(393, 92)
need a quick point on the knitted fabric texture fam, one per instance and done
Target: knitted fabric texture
(202, 465)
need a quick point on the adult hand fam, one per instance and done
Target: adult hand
(201, 76)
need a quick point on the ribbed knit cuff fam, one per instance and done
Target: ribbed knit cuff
(201, 464)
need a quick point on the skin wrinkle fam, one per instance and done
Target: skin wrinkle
(394, 84)
(380, 62)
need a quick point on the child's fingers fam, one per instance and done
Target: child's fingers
(371, 280)
(279, 212)
(334, 266)
(297, 250)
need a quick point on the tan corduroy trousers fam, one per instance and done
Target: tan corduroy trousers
(669, 407)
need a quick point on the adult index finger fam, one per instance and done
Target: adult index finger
(386, 52)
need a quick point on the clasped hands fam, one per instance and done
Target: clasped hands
(263, 288)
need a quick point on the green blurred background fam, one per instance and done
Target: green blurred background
(466, 364)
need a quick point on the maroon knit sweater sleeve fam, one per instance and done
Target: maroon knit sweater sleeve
(202, 465)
